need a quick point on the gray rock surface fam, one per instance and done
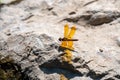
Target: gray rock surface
(30, 30)
(118, 41)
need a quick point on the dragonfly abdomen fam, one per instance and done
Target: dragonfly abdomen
(66, 39)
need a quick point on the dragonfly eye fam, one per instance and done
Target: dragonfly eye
(60, 39)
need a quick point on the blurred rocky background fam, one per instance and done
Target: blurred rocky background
(29, 33)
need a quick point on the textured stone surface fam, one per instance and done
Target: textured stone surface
(118, 41)
(30, 30)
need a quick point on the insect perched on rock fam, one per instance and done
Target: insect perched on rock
(67, 41)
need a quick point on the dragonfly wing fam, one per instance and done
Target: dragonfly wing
(66, 30)
(70, 45)
(72, 32)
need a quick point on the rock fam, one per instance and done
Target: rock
(8, 1)
(29, 51)
(53, 76)
(35, 55)
(33, 73)
(30, 30)
(101, 18)
(93, 17)
(8, 69)
(118, 41)
(81, 78)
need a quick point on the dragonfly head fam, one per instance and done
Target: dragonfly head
(60, 39)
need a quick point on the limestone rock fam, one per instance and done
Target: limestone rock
(101, 18)
(7, 1)
(118, 41)
(94, 17)
(29, 51)
(30, 29)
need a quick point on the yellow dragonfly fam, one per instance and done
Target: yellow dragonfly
(67, 41)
